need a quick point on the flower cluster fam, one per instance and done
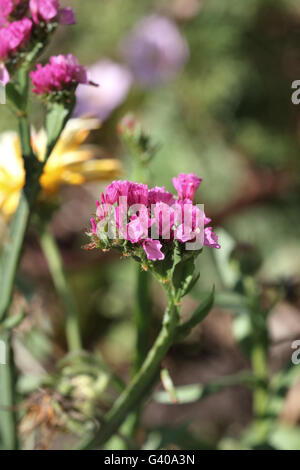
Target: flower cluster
(17, 19)
(49, 10)
(146, 223)
(40, 10)
(12, 9)
(62, 72)
(13, 36)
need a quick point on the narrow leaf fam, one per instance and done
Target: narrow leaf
(198, 316)
(169, 385)
(197, 392)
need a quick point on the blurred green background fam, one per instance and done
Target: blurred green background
(227, 117)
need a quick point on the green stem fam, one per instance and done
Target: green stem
(10, 259)
(142, 324)
(141, 384)
(260, 370)
(55, 264)
(142, 318)
(8, 419)
(12, 248)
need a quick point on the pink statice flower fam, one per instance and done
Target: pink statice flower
(114, 82)
(49, 10)
(155, 50)
(186, 186)
(63, 72)
(6, 8)
(12, 10)
(13, 38)
(149, 223)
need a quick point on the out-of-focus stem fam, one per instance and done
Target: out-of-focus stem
(18, 229)
(53, 256)
(260, 393)
(141, 384)
(8, 420)
(142, 324)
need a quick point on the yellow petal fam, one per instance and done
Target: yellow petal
(70, 157)
(99, 170)
(10, 204)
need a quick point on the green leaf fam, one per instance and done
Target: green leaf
(285, 438)
(15, 98)
(183, 276)
(226, 300)
(191, 285)
(13, 321)
(169, 385)
(198, 316)
(197, 392)
(57, 117)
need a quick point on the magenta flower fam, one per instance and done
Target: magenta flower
(155, 50)
(13, 37)
(61, 73)
(12, 9)
(186, 186)
(49, 10)
(66, 16)
(159, 194)
(6, 8)
(114, 82)
(146, 222)
(210, 238)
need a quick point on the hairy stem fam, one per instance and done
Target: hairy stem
(55, 263)
(141, 384)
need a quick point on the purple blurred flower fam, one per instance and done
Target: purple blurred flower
(114, 82)
(155, 50)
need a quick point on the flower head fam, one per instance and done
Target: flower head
(71, 163)
(49, 10)
(155, 50)
(61, 73)
(149, 223)
(114, 83)
(12, 8)
(13, 37)
(6, 7)
(186, 185)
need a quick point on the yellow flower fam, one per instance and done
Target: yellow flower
(70, 163)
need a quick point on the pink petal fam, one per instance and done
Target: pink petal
(66, 16)
(153, 250)
(4, 75)
(211, 238)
